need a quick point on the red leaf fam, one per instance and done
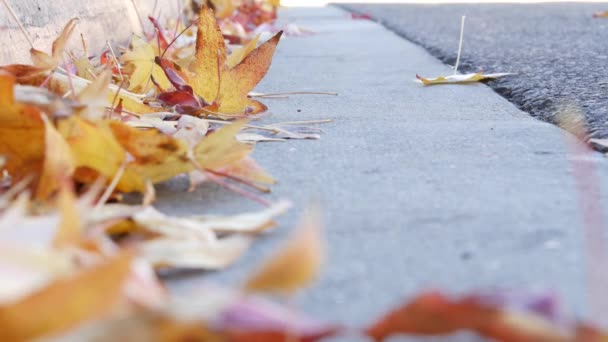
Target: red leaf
(252, 320)
(433, 313)
(181, 98)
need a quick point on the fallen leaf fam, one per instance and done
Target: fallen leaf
(252, 319)
(192, 253)
(220, 83)
(295, 265)
(42, 60)
(86, 295)
(94, 97)
(140, 66)
(69, 232)
(58, 162)
(238, 81)
(209, 58)
(461, 79)
(602, 14)
(221, 148)
(239, 54)
(433, 313)
(96, 151)
(22, 131)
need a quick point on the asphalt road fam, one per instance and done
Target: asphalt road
(558, 51)
(447, 187)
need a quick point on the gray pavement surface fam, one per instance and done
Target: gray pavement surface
(557, 50)
(447, 187)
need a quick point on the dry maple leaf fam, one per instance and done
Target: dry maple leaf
(297, 264)
(22, 133)
(461, 79)
(86, 295)
(46, 71)
(433, 313)
(139, 64)
(602, 14)
(69, 232)
(43, 60)
(221, 80)
(58, 162)
(250, 319)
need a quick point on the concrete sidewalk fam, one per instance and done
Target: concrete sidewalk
(448, 187)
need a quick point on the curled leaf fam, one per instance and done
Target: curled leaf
(433, 313)
(296, 264)
(461, 79)
(194, 253)
(86, 295)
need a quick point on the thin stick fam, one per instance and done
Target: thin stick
(110, 189)
(84, 46)
(307, 122)
(174, 39)
(141, 21)
(122, 83)
(262, 128)
(14, 15)
(460, 44)
(118, 67)
(292, 93)
(179, 17)
(72, 91)
(217, 180)
(47, 79)
(240, 180)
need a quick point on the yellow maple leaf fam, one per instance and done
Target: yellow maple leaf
(225, 84)
(69, 232)
(58, 161)
(297, 264)
(84, 296)
(209, 57)
(22, 132)
(220, 148)
(239, 54)
(139, 64)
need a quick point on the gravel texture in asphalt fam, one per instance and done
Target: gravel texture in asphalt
(558, 51)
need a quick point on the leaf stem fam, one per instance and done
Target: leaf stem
(141, 21)
(14, 15)
(262, 95)
(110, 189)
(460, 44)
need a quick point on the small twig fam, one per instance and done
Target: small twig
(14, 15)
(141, 21)
(110, 189)
(292, 93)
(118, 67)
(154, 9)
(84, 46)
(179, 17)
(72, 91)
(307, 122)
(240, 180)
(117, 94)
(460, 44)
(47, 79)
(174, 39)
(217, 180)
(91, 73)
(262, 128)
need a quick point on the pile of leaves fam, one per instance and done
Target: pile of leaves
(77, 132)
(240, 20)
